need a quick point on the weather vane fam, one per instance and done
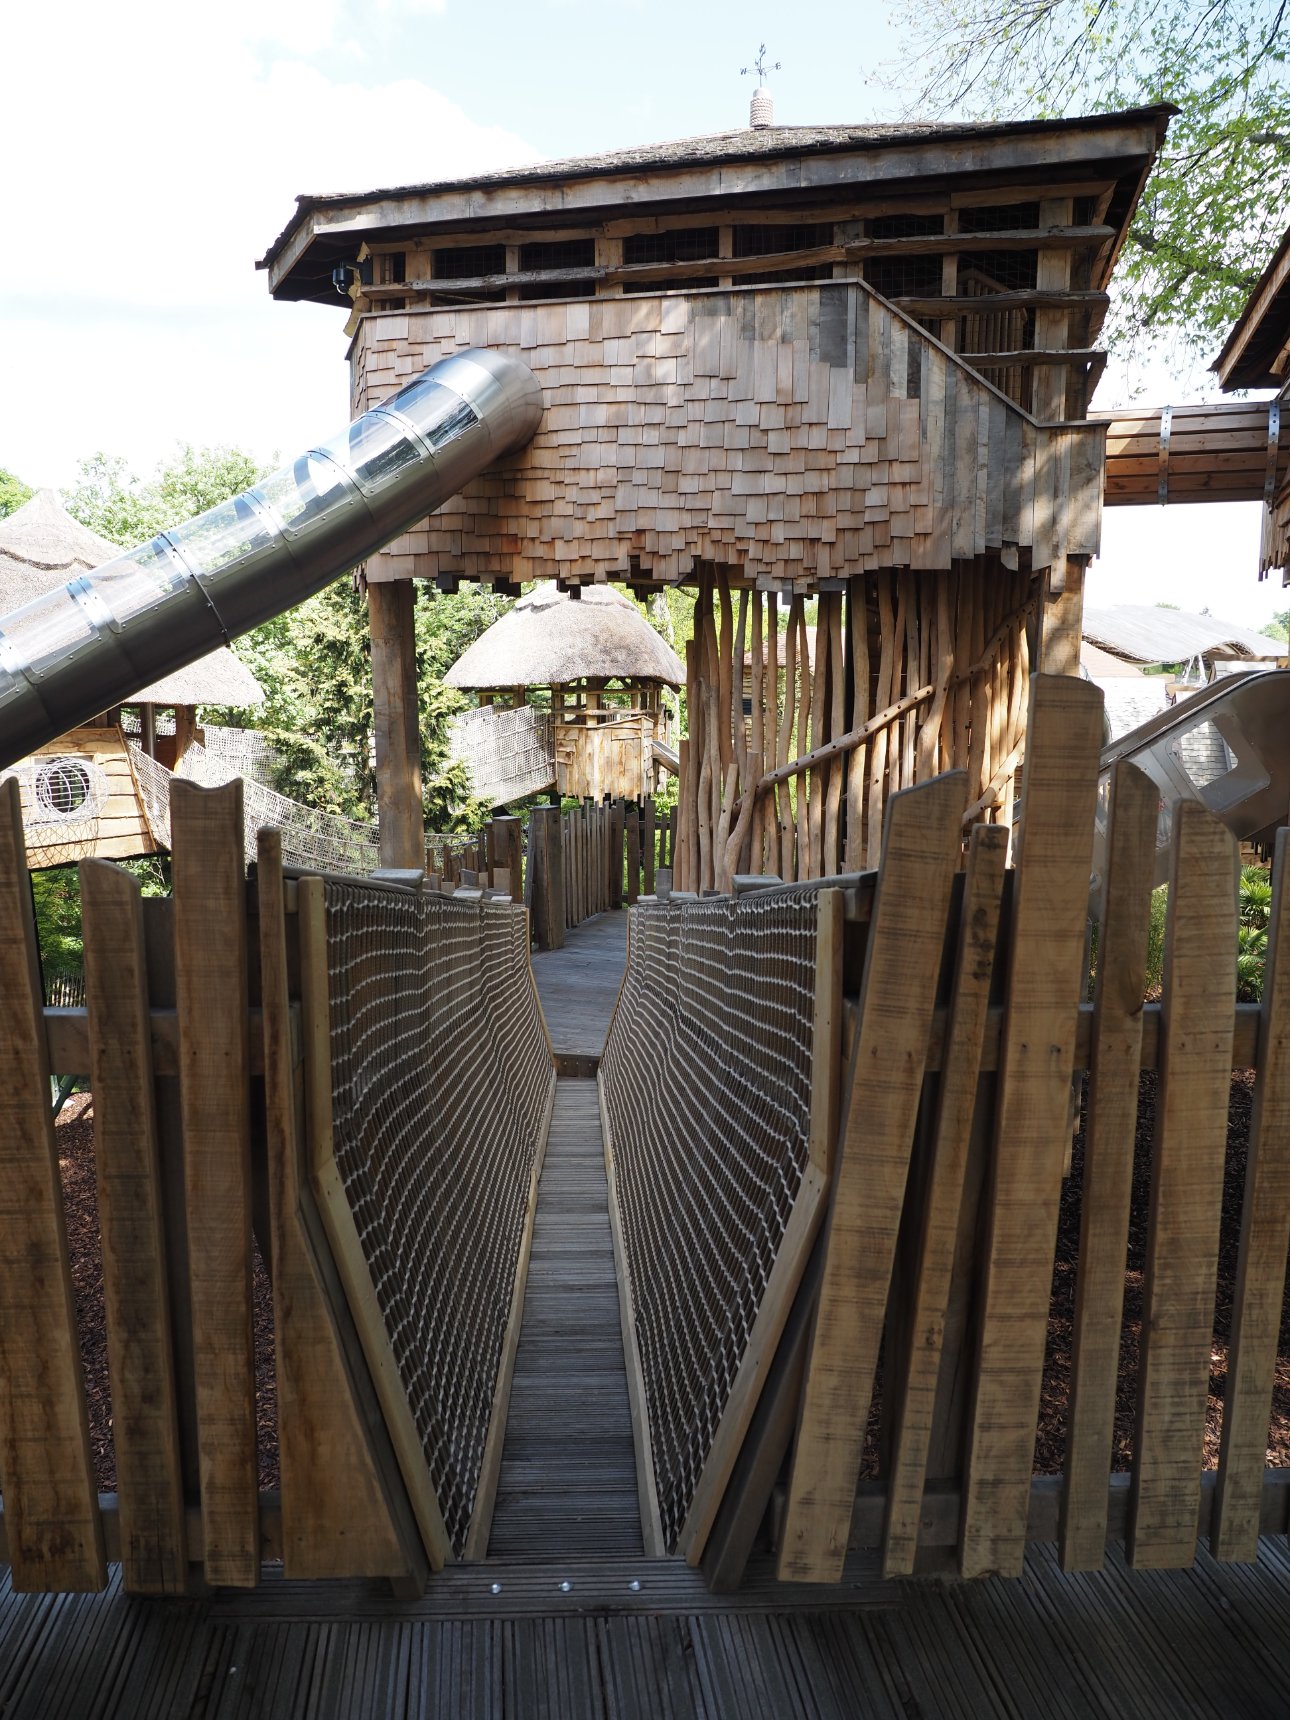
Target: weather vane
(759, 66)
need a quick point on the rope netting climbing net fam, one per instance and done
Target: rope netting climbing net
(442, 1079)
(509, 753)
(706, 1079)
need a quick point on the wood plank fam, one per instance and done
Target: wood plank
(1037, 1060)
(902, 961)
(917, 1368)
(1112, 1113)
(136, 1292)
(52, 1517)
(1261, 1261)
(1186, 1189)
(214, 1086)
(342, 1234)
(396, 722)
(798, 1239)
(335, 1521)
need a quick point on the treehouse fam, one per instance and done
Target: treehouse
(87, 793)
(570, 696)
(782, 363)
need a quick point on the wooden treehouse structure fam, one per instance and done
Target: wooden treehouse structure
(92, 792)
(570, 688)
(846, 365)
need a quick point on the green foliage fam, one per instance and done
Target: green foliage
(56, 897)
(1252, 932)
(1278, 627)
(13, 492)
(1214, 208)
(113, 502)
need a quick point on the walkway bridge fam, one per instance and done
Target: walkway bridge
(654, 1392)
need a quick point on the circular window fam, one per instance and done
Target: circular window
(69, 788)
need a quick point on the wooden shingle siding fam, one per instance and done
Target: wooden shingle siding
(795, 434)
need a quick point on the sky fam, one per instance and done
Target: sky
(154, 150)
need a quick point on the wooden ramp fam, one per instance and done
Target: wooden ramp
(568, 1482)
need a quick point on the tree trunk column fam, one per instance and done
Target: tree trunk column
(395, 719)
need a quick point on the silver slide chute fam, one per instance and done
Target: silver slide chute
(91, 644)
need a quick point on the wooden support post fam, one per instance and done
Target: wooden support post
(550, 908)
(52, 1520)
(649, 845)
(615, 829)
(214, 1085)
(1265, 1236)
(906, 940)
(395, 717)
(136, 1293)
(1195, 1063)
(633, 854)
(335, 1519)
(1108, 1164)
(508, 853)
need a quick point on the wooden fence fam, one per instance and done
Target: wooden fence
(205, 1038)
(591, 859)
(925, 1312)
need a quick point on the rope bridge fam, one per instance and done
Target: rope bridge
(442, 1083)
(714, 1119)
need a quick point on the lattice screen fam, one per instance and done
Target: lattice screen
(441, 1080)
(707, 1086)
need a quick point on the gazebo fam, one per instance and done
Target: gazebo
(81, 794)
(570, 688)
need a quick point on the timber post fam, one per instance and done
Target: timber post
(396, 724)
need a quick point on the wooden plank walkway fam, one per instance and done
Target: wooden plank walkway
(578, 986)
(1177, 1645)
(568, 1481)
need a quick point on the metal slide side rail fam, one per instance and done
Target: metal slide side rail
(90, 644)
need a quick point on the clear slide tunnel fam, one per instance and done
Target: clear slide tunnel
(92, 643)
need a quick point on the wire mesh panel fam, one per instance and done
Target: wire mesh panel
(509, 753)
(441, 1080)
(706, 1080)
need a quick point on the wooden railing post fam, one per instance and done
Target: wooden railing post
(546, 858)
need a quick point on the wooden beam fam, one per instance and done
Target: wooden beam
(1030, 298)
(396, 721)
(844, 743)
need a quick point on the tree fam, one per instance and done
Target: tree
(113, 502)
(13, 492)
(1279, 626)
(1216, 204)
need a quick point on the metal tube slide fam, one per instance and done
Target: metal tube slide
(91, 644)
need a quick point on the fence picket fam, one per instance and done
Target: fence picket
(1045, 962)
(917, 1369)
(1108, 1164)
(1195, 1075)
(52, 1521)
(214, 1088)
(1261, 1263)
(906, 936)
(136, 1292)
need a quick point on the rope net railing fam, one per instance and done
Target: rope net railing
(707, 1086)
(314, 840)
(509, 753)
(442, 1080)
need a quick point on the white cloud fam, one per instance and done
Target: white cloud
(154, 152)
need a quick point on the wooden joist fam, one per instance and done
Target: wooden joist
(1221, 451)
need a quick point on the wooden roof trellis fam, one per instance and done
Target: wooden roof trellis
(799, 433)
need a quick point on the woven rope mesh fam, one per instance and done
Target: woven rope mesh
(317, 841)
(707, 1085)
(509, 753)
(441, 1078)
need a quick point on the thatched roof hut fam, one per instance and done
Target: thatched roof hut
(550, 639)
(42, 547)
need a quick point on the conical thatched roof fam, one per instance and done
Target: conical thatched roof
(42, 547)
(550, 638)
